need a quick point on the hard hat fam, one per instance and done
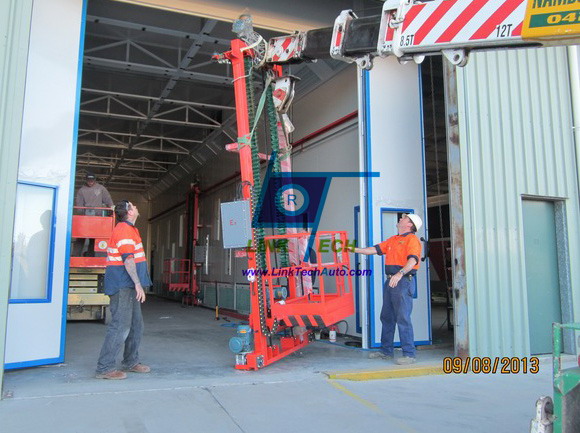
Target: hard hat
(416, 220)
(90, 175)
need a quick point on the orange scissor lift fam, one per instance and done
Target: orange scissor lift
(86, 298)
(280, 324)
(181, 275)
(324, 305)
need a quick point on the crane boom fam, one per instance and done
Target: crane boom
(409, 29)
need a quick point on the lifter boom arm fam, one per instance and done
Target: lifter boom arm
(410, 29)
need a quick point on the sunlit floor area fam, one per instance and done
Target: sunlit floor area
(194, 387)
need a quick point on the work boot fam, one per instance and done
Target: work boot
(139, 368)
(405, 360)
(112, 375)
(380, 355)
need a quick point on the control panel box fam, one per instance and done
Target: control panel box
(236, 224)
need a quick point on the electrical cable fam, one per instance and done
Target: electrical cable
(346, 323)
(275, 144)
(344, 345)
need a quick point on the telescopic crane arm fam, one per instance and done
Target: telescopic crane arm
(411, 30)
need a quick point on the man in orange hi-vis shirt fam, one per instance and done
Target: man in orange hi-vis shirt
(125, 278)
(402, 253)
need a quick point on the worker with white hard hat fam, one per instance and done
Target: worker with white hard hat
(402, 253)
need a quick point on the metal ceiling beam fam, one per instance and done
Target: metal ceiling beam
(110, 166)
(154, 112)
(154, 98)
(136, 147)
(114, 162)
(144, 118)
(125, 189)
(438, 200)
(127, 176)
(121, 180)
(130, 46)
(124, 66)
(117, 158)
(83, 132)
(140, 186)
(109, 106)
(148, 143)
(176, 76)
(164, 46)
(202, 37)
(194, 159)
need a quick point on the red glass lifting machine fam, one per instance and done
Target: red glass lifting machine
(284, 310)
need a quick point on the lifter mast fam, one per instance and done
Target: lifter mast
(284, 306)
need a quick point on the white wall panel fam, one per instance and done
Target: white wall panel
(393, 146)
(47, 151)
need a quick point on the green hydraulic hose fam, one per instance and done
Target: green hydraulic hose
(274, 142)
(258, 232)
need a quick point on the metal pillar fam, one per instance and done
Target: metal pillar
(459, 293)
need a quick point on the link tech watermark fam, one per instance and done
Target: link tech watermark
(296, 200)
(304, 272)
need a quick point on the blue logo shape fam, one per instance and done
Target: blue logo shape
(296, 199)
(296, 195)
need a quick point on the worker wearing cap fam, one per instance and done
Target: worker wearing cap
(91, 194)
(126, 277)
(402, 253)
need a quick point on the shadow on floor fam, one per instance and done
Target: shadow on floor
(186, 346)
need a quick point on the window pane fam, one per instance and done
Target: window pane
(31, 244)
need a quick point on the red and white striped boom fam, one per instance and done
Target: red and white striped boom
(411, 29)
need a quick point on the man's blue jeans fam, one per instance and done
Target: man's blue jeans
(397, 307)
(125, 329)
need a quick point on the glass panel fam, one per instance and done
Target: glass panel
(31, 244)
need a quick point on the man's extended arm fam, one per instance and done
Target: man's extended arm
(369, 251)
(132, 271)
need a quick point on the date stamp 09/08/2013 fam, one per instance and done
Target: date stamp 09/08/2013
(486, 365)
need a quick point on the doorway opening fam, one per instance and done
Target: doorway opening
(437, 188)
(547, 271)
(156, 115)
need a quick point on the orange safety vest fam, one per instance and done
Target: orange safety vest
(398, 250)
(125, 242)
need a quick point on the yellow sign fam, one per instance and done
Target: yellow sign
(558, 19)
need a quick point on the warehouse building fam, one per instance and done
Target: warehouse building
(486, 155)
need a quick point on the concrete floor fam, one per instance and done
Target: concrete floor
(194, 387)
